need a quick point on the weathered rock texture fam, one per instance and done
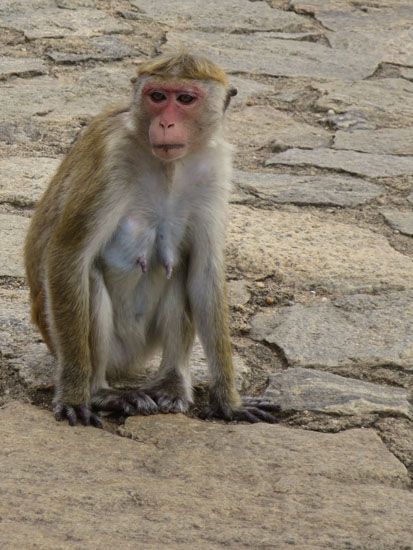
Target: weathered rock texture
(182, 482)
(356, 330)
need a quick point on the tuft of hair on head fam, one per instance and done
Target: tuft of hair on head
(183, 65)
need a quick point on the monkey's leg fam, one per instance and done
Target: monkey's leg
(208, 299)
(172, 388)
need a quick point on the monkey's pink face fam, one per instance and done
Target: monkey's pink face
(174, 110)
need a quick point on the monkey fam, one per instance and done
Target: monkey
(125, 251)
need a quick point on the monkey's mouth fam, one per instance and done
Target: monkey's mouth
(168, 146)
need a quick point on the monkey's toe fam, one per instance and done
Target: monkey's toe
(169, 404)
(256, 411)
(127, 402)
(75, 414)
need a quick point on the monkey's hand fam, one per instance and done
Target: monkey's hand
(76, 413)
(252, 410)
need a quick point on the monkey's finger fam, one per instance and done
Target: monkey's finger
(244, 415)
(70, 414)
(263, 415)
(263, 404)
(95, 421)
(142, 402)
(58, 412)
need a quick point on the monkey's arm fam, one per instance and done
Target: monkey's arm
(85, 225)
(207, 294)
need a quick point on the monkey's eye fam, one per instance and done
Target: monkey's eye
(185, 99)
(157, 97)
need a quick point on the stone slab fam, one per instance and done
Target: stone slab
(240, 15)
(226, 482)
(305, 252)
(352, 162)
(359, 330)
(238, 293)
(63, 98)
(316, 190)
(402, 221)
(248, 90)
(24, 179)
(13, 231)
(384, 28)
(262, 125)
(385, 102)
(99, 48)
(299, 389)
(390, 141)
(21, 66)
(58, 23)
(264, 53)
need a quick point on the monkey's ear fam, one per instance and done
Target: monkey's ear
(230, 93)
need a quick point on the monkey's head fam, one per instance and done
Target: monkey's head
(180, 101)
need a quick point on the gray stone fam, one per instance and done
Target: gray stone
(363, 164)
(391, 141)
(262, 125)
(359, 330)
(238, 293)
(410, 197)
(21, 66)
(241, 15)
(406, 72)
(299, 389)
(63, 98)
(15, 327)
(13, 230)
(58, 23)
(384, 29)
(306, 252)
(397, 434)
(317, 190)
(260, 475)
(23, 180)
(264, 53)
(247, 90)
(100, 48)
(353, 120)
(402, 221)
(385, 102)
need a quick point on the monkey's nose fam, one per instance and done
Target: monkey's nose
(166, 125)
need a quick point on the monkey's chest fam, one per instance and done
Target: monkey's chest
(139, 246)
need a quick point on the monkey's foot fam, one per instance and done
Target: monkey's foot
(75, 414)
(252, 410)
(169, 400)
(125, 402)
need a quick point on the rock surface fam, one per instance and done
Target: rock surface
(274, 57)
(307, 252)
(395, 141)
(23, 181)
(355, 330)
(299, 389)
(317, 190)
(23, 67)
(13, 231)
(402, 221)
(320, 287)
(225, 482)
(362, 164)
